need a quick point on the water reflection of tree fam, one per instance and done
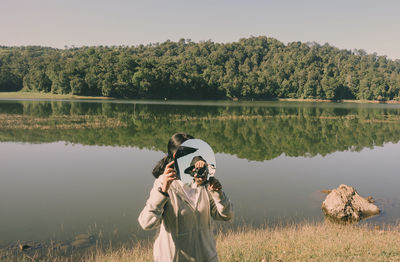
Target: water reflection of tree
(254, 133)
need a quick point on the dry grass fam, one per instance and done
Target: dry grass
(37, 95)
(305, 242)
(143, 251)
(308, 242)
(385, 118)
(26, 122)
(361, 101)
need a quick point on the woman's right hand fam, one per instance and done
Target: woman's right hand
(169, 176)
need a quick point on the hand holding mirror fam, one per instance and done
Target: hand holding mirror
(194, 159)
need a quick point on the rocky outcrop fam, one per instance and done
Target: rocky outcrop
(345, 204)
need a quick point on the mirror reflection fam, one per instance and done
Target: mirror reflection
(195, 158)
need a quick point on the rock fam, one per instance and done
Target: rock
(23, 247)
(83, 236)
(345, 204)
(82, 240)
(80, 243)
(28, 245)
(62, 246)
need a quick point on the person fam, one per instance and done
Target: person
(173, 144)
(184, 222)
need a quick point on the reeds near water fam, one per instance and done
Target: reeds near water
(24, 122)
(39, 95)
(27, 122)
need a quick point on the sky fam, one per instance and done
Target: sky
(346, 24)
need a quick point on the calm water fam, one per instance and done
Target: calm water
(85, 167)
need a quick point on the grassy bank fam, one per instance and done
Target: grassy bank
(305, 242)
(308, 242)
(340, 101)
(36, 95)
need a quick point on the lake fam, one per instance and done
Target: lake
(73, 167)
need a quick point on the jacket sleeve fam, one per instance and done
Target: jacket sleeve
(220, 206)
(151, 215)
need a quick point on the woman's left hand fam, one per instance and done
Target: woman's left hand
(199, 164)
(214, 184)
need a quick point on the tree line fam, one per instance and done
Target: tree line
(251, 68)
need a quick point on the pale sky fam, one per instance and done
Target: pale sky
(361, 24)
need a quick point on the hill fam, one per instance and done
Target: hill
(252, 68)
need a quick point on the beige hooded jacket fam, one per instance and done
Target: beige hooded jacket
(185, 229)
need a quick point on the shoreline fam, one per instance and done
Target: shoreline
(37, 95)
(309, 241)
(339, 101)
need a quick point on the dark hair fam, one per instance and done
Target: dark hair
(173, 144)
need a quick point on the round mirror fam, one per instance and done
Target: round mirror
(188, 154)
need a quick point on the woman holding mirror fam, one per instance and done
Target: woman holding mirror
(183, 212)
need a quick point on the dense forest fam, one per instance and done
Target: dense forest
(252, 68)
(249, 132)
